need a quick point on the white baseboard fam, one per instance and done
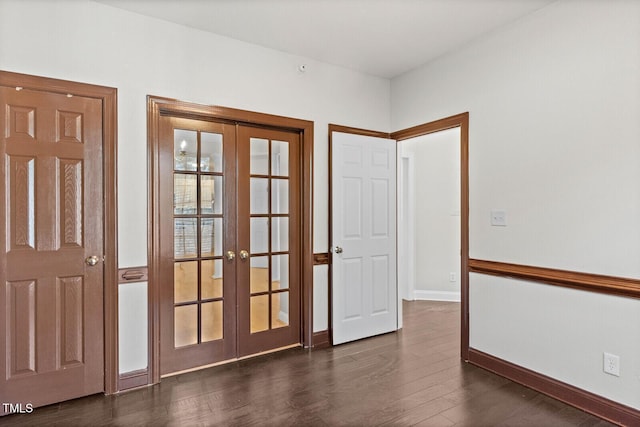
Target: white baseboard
(436, 295)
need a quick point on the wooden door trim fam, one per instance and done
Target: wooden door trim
(158, 106)
(108, 96)
(431, 127)
(357, 131)
(461, 121)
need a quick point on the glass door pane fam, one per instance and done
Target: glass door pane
(266, 296)
(198, 194)
(196, 203)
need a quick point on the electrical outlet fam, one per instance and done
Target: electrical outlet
(611, 364)
(452, 277)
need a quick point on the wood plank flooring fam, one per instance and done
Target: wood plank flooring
(413, 377)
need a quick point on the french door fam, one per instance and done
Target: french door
(229, 199)
(268, 221)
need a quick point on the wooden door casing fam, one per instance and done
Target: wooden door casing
(51, 205)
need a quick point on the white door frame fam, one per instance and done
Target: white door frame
(406, 218)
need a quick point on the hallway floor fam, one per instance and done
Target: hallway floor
(413, 377)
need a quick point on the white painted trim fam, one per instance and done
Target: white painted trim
(437, 296)
(406, 221)
(406, 273)
(400, 275)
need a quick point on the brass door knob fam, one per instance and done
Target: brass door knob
(92, 260)
(244, 254)
(231, 255)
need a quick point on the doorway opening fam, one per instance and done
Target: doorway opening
(429, 211)
(460, 121)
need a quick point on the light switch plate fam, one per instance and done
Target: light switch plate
(499, 218)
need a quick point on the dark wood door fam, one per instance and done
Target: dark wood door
(229, 199)
(269, 232)
(51, 206)
(197, 281)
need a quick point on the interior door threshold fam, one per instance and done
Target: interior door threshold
(235, 359)
(273, 350)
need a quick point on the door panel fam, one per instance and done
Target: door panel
(51, 205)
(197, 282)
(364, 230)
(269, 230)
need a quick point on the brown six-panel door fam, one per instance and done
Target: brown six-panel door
(51, 206)
(229, 271)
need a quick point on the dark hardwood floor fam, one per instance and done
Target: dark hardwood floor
(413, 377)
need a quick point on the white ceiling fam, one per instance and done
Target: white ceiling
(383, 38)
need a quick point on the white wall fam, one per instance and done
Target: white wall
(89, 42)
(321, 297)
(435, 232)
(132, 329)
(554, 103)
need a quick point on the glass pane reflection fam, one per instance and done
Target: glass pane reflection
(280, 272)
(259, 235)
(185, 325)
(211, 237)
(185, 150)
(185, 281)
(211, 279)
(280, 196)
(259, 155)
(210, 152)
(279, 234)
(211, 321)
(185, 192)
(280, 158)
(259, 274)
(259, 313)
(259, 196)
(280, 310)
(211, 194)
(185, 236)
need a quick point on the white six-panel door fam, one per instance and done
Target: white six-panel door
(363, 236)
